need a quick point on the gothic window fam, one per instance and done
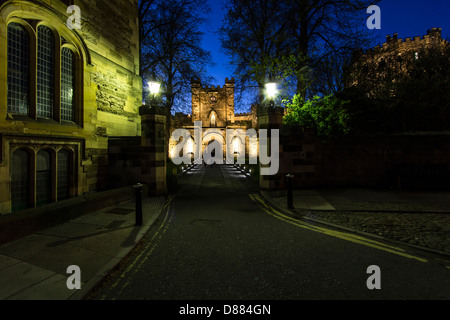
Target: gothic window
(67, 84)
(63, 174)
(42, 78)
(43, 177)
(18, 68)
(20, 185)
(45, 72)
(213, 120)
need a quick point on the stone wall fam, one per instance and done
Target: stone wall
(113, 91)
(419, 161)
(111, 32)
(385, 60)
(142, 159)
(124, 161)
(108, 88)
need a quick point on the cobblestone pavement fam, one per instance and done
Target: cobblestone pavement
(420, 219)
(429, 230)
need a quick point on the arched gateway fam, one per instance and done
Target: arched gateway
(213, 110)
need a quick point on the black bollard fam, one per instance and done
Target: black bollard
(138, 190)
(290, 200)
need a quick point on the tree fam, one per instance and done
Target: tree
(423, 92)
(293, 41)
(327, 116)
(327, 32)
(171, 51)
(253, 35)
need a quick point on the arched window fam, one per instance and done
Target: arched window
(45, 72)
(213, 120)
(43, 177)
(18, 68)
(63, 175)
(236, 146)
(20, 180)
(190, 145)
(67, 84)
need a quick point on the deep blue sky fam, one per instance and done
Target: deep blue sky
(408, 18)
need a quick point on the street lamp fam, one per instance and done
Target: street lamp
(271, 92)
(154, 89)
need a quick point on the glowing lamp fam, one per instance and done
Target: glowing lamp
(271, 90)
(154, 87)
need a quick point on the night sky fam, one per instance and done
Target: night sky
(408, 18)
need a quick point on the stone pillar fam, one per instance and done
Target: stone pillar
(154, 149)
(270, 118)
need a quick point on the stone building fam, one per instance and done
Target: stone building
(385, 63)
(64, 93)
(214, 107)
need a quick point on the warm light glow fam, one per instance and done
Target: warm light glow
(154, 87)
(190, 146)
(271, 90)
(236, 145)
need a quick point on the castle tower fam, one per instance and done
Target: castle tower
(214, 106)
(229, 88)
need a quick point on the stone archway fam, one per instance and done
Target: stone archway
(213, 145)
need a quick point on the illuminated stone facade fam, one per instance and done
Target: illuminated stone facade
(72, 91)
(214, 107)
(385, 62)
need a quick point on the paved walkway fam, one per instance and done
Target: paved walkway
(35, 267)
(420, 219)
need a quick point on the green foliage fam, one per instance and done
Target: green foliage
(326, 115)
(279, 68)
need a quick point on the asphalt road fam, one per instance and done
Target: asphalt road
(218, 240)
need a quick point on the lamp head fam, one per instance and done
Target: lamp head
(154, 87)
(271, 90)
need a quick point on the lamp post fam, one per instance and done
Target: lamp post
(138, 199)
(290, 200)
